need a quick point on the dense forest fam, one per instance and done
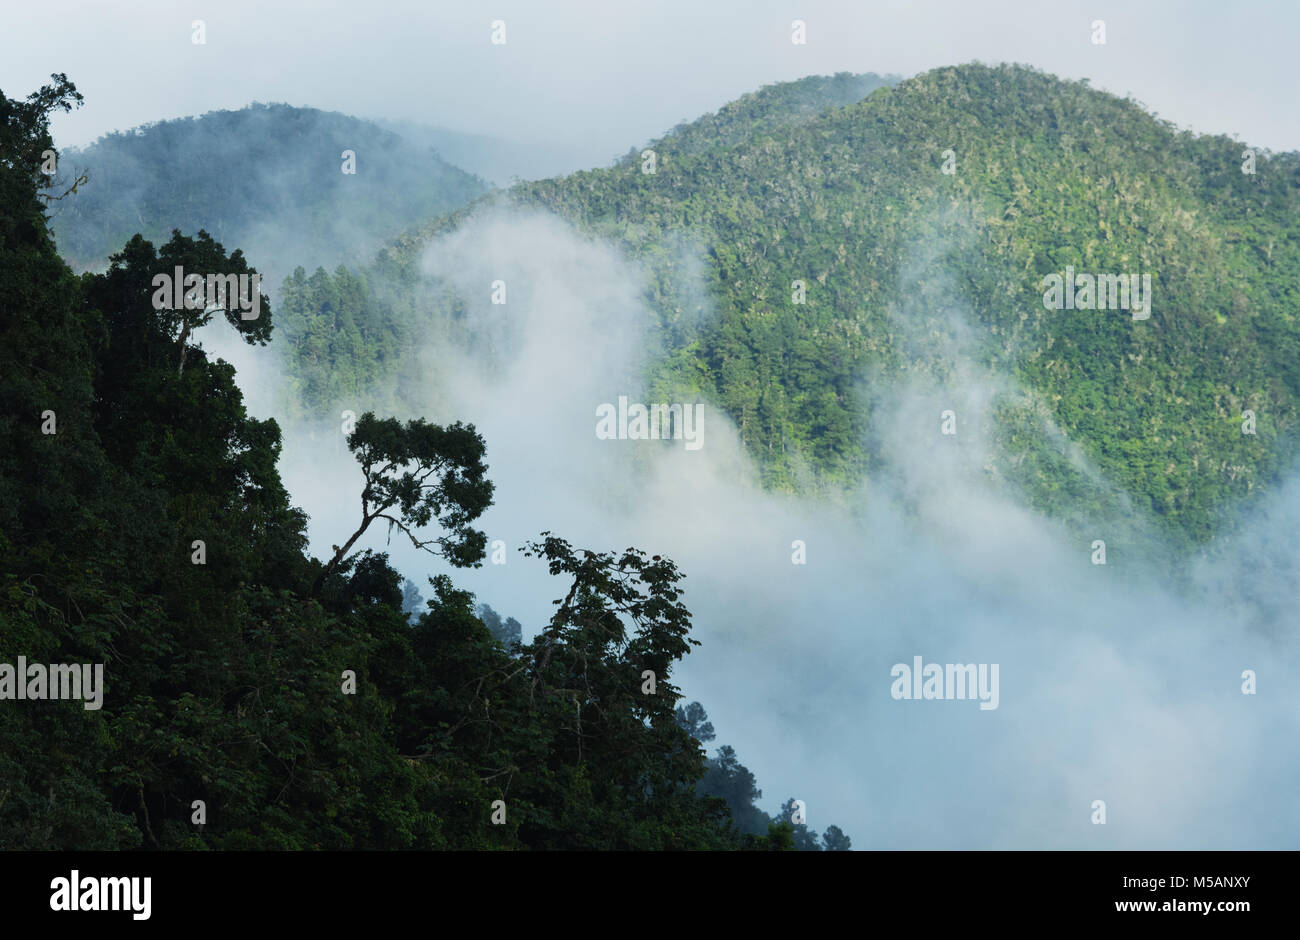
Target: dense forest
(933, 209)
(806, 248)
(1048, 174)
(256, 697)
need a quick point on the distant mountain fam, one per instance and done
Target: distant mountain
(921, 222)
(267, 179)
(786, 104)
(495, 159)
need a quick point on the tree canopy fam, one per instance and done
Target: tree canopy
(260, 698)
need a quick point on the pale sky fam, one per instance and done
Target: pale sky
(599, 77)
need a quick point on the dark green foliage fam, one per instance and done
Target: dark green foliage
(294, 701)
(732, 782)
(836, 841)
(416, 473)
(128, 290)
(804, 840)
(780, 838)
(695, 722)
(339, 340)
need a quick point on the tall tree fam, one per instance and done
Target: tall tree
(733, 782)
(694, 720)
(836, 840)
(414, 473)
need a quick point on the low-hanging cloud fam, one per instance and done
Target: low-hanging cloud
(1118, 682)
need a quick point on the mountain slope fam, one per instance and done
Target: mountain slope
(911, 273)
(1049, 174)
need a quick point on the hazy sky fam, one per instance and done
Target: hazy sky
(600, 77)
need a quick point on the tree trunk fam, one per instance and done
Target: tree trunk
(339, 555)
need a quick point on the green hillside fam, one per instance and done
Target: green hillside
(1049, 174)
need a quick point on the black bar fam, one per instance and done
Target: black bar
(337, 890)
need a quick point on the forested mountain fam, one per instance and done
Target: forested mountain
(854, 236)
(268, 178)
(1048, 175)
(253, 697)
(920, 223)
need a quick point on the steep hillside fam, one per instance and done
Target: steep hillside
(217, 660)
(911, 272)
(1049, 175)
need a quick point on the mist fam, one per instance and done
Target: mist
(1119, 682)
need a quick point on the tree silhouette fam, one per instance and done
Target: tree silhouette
(415, 473)
(695, 721)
